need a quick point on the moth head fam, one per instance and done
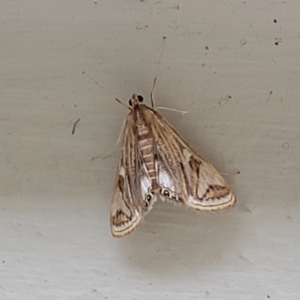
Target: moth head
(135, 100)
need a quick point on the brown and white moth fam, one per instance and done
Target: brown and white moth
(155, 160)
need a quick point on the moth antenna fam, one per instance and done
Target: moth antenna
(107, 154)
(173, 109)
(221, 103)
(92, 79)
(97, 83)
(157, 69)
(119, 101)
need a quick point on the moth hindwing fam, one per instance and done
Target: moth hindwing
(155, 160)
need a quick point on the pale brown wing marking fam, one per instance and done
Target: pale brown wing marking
(126, 211)
(212, 203)
(210, 190)
(125, 214)
(170, 163)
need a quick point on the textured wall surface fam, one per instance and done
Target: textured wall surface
(234, 64)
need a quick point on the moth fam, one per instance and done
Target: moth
(156, 161)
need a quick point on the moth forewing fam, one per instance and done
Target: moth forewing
(126, 211)
(212, 191)
(133, 194)
(201, 186)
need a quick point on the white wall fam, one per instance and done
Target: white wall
(54, 205)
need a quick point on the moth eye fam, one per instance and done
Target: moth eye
(130, 102)
(149, 197)
(140, 98)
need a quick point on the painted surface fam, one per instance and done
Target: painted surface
(234, 64)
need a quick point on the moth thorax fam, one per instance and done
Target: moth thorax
(143, 130)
